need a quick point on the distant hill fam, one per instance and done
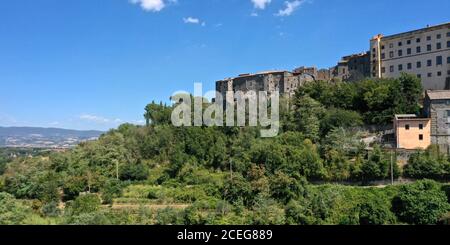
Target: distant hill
(25, 131)
(44, 137)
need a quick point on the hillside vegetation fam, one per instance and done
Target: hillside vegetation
(160, 174)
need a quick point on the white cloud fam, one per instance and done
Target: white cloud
(261, 4)
(98, 119)
(150, 5)
(192, 20)
(254, 14)
(290, 7)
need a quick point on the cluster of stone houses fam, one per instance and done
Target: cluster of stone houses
(424, 53)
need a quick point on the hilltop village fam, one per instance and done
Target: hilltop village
(424, 53)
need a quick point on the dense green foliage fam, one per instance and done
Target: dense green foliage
(429, 164)
(421, 203)
(375, 100)
(161, 174)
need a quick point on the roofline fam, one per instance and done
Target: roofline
(417, 30)
(254, 74)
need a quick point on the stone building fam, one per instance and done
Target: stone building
(437, 107)
(314, 73)
(270, 81)
(353, 67)
(424, 53)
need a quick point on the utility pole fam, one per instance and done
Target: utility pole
(231, 169)
(117, 170)
(392, 169)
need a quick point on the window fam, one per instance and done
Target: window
(409, 66)
(400, 67)
(421, 137)
(418, 50)
(429, 62)
(391, 68)
(419, 75)
(448, 34)
(438, 36)
(438, 60)
(400, 52)
(391, 54)
(383, 69)
(448, 44)
(382, 47)
(400, 44)
(430, 74)
(418, 40)
(383, 56)
(420, 126)
(374, 50)
(439, 73)
(429, 47)
(409, 41)
(428, 38)
(419, 64)
(448, 72)
(408, 51)
(448, 60)
(407, 127)
(438, 45)
(391, 45)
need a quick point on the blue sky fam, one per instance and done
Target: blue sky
(93, 64)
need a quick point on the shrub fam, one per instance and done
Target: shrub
(12, 212)
(85, 204)
(421, 203)
(134, 172)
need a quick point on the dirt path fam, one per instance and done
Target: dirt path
(151, 206)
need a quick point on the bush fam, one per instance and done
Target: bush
(169, 216)
(88, 203)
(134, 172)
(12, 212)
(112, 189)
(429, 164)
(421, 203)
(374, 211)
(50, 210)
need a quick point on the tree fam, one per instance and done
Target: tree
(285, 188)
(421, 203)
(134, 172)
(411, 93)
(88, 203)
(378, 166)
(307, 115)
(157, 114)
(429, 164)
(374, 210)
(267, 212)
(12, 212)
(339, 118)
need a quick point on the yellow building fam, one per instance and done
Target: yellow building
(412, 132)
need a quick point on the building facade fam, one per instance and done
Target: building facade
(412, 132)
(424, 53)
(353, 67)
(437, 107)
(270, 81)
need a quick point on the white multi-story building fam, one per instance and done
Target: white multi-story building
(424, 53)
